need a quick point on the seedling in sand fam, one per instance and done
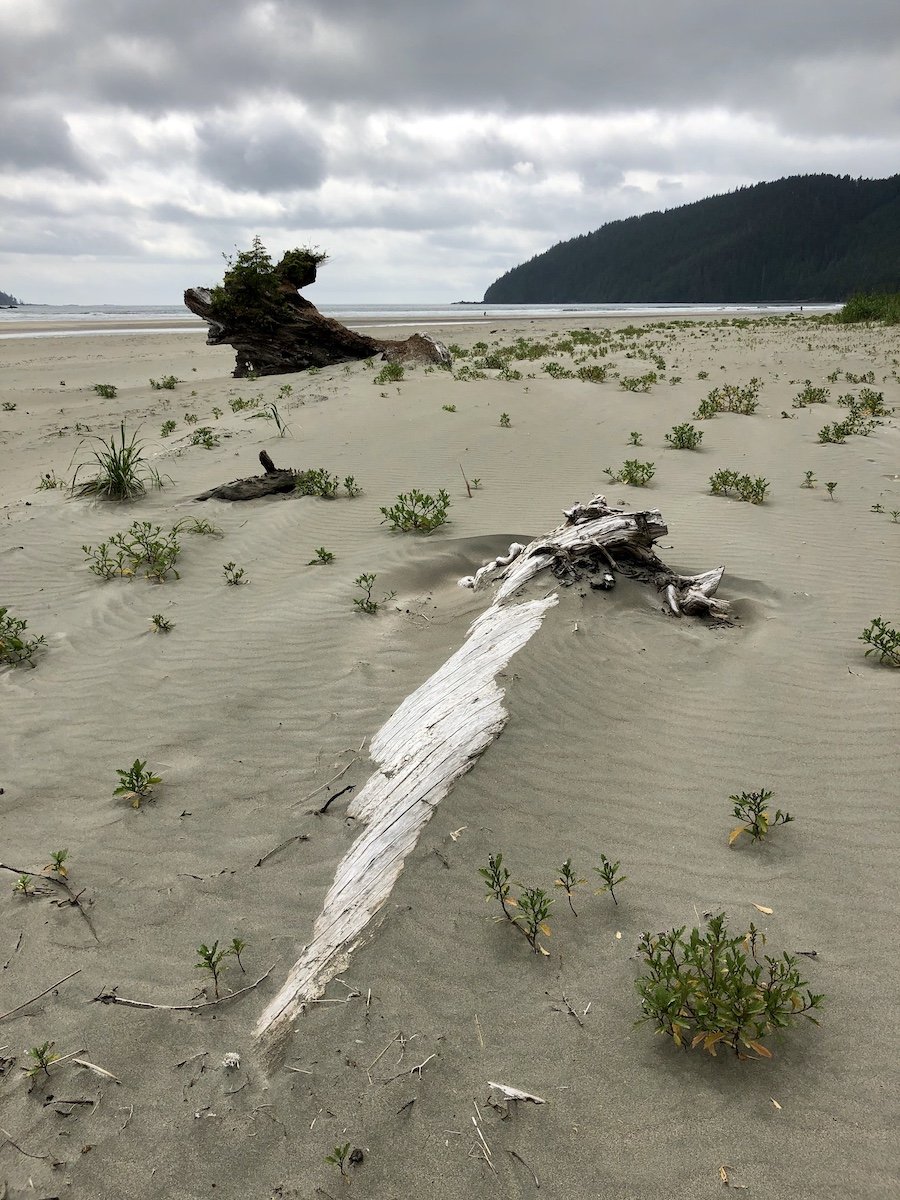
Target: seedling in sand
(217, 412)
(809, 480)
(22, 886)
(160, 624)
(234, 574)
(365, 603)
(136, 783)
(237, 945)
(877, 508)
(609, 873)
(534, 908)
(323, 557)
(568, 881)
(449, 407)
(211, 960)
(57, 864)
(204, 436)
(191, 418)
(684, 437)
(831, 486)
(352, 487)
(15, 645)
(168, 383)
(496, 876)
(339, 1156)
(44, 1057)
(108, 391)
(882, 640)
(751, 808)
(8, 406)
(635, 439)
(505, 421)
(167, 428)
(709, 989)
(417, 511)
(49, 481)
(895, 515)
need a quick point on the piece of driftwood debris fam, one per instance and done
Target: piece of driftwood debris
(112, 997)
(435, 736)
(270, 484)
(439, 731)
(596, 537)
(258, 310)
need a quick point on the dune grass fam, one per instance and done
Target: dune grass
(123, 471)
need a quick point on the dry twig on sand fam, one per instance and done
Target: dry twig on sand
(112, 997)
(19, 1007)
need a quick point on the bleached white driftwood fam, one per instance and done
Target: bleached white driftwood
(512, 1093)
(432, 738)
(437, 733)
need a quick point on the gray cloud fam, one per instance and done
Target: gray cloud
(461, 138)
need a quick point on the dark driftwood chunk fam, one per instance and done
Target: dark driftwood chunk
(283, 332)
(270, 484)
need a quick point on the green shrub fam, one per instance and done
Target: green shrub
(316, 481)
(752, 810)
(108, 391)
(638, 383)
(880, 637)
(878, 306)
(810, 395)
(593, 374)
(15, 646)
(632, 472)
(732, 398)
(204, 436)
(684, 437)
(751, 490)
(418, 512)
(708, 989)
(167, 383)
(390, 373)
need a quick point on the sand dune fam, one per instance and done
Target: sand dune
(628, 730)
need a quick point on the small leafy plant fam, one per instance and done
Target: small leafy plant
(568, 880)
(211, 960)
(57, 863)
(161, 624)
(635, 438)
(417, 511)
(389, 373)
(204, 436)
(883, 640)
(365, 603)
(448, 407)
(810, 395)
(684, 437)
(15, 646)
(8, 406)
(752, 810)
(339, 1156)
(708, 989)
(166, 428)
(609, 873)
(528, 913)
(505, 421)
(809, 480)
(234, 575)
(317, 481)
(108, 391)
(136, 783)
(351, 486)
(22, 886)
(830, 488)
(323, 557)
(632, 472)
(44, 1057)
(168, 383)
(749, 489)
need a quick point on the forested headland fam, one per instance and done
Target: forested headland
(8, 301)
(804, 238)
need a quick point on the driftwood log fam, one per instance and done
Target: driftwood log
(275, 480)
(438, 732)
(284, 332)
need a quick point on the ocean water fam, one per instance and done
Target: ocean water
(88, 319)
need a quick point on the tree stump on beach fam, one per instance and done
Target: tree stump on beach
(274, 330)
(274, 481)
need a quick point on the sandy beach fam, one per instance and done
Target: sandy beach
(628, 730)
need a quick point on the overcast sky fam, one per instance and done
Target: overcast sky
(427, 145)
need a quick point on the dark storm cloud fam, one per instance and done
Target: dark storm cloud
(574, 55)
(34, 138)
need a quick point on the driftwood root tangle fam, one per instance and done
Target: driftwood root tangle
(596, 537)
(252, 488)
(281, 331)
